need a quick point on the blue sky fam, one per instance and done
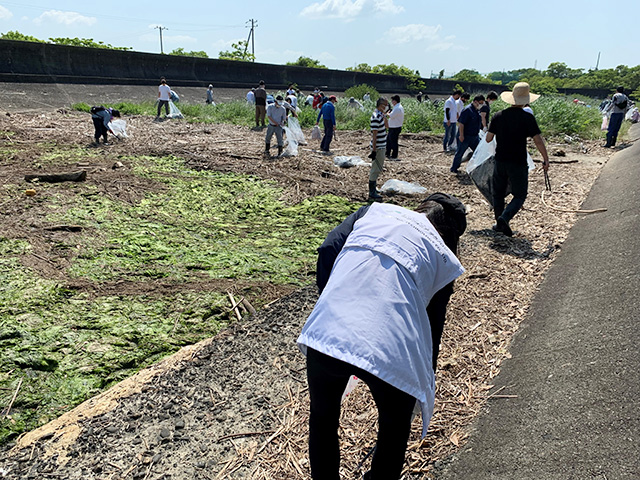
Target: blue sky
(423, 35)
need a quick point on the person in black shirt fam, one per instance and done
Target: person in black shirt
(485, 110)
(511, 128)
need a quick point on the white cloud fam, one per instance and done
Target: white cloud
(64, 18)
(326, 56)
(428, 35)
(5, 14)
(349, 9)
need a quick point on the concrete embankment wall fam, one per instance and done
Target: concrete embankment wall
(46, 63)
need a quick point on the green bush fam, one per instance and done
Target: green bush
(358, 91)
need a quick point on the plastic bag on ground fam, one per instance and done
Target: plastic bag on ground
(291, 149)
(394, 186)
(295, 131)
(315, 133)
(119, 128)
(173, 111)
(348, 162)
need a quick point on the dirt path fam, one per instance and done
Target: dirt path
(235, 406)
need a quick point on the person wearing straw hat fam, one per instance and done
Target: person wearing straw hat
(385, 277)
(511, 128)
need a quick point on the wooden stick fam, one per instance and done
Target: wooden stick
(13, 399)
(567, 210)
(244, 434)
(234, 305)
(248, 306)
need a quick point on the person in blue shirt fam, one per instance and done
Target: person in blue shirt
(328, 115)
(101, 118)
(469, 125)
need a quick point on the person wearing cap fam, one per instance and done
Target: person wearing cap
(210, 95)
(260, 96)
(617, 109)
(468, 130)
(328, 115)
(385, 277)
(277, 117)
(511, 128)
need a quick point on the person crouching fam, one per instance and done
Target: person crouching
(101, 117)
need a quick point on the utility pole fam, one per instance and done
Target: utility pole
(160, 27)
(252, 36)
(598, 62)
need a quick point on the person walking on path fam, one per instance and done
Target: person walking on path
(385, 277)
(277, 116)
(379, 126)
(328, 115)
(468, 130)
(450, 120)
(164, 95)
(261, 104)
(511, 128)
(101, 118)
(485, 110)
(210, 95)
(617, 108)
(396, 119)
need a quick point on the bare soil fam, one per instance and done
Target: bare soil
(235, 406)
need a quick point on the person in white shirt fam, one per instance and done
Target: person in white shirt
(251, 97)
(385, 277)
(396, 119)
(450, 120)
(164, 95)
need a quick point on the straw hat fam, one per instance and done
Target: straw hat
(520, 95)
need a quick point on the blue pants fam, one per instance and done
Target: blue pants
(449, 134)
(518, 175)
(615, 122)
(469, 142)
(328, 135)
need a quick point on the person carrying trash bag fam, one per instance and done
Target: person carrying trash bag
(469, 125)
(385, 277)
(101, 117)
(511, 128)
(277, 117)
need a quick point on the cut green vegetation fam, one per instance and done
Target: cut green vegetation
(67, 345)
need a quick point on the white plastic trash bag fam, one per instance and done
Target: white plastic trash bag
(605, 122)
(394, 186)
(486, 150)
(173, 111)
(348, 162)
(351, 385)
(119, 128)
(315, 133)
(291, 149)
(295, 132)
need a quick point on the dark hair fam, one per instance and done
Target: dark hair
(115, 113)
(396, 98)
(163, 81)
(466, 96)
(477, 98)
(279, 97)
(492, 95)
(380, 101)
(457, 92)
(620, 89)
(261, 82)
(448, 216)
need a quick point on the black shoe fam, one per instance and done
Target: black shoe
(373, 194)
(503, 227)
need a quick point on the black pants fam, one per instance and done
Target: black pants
(328, 135)
(327, 379)
(166, 106)
(392, 142)
(518, 175)
(100, 129)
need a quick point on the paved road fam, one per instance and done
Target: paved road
(576, 361)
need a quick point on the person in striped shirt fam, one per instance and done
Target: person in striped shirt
(379, 128)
